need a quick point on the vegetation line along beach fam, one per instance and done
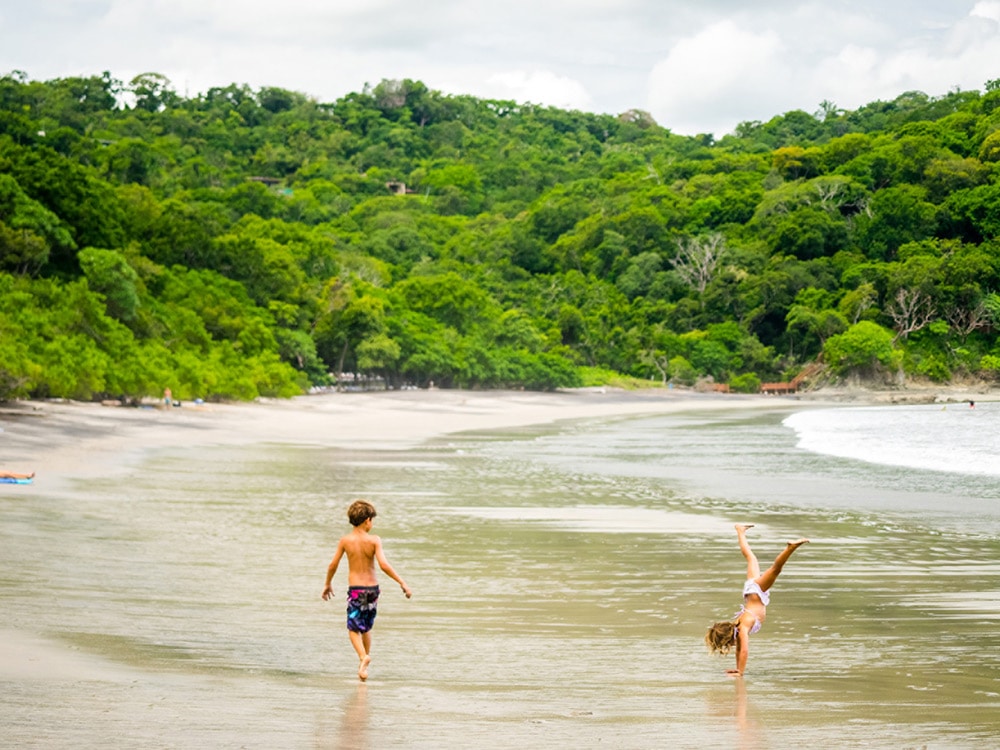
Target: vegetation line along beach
(244, 243)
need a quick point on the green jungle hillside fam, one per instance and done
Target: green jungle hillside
(248, 243)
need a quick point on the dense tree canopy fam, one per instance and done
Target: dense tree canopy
(242, 243)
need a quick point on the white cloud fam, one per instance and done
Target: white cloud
(539, 87)
(989, 9)
(753, 67)
(698, 67)
(715, 77)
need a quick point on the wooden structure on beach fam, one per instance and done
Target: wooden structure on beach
(791, 386)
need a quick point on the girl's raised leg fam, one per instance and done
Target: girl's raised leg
(753, 567)
(769, 576)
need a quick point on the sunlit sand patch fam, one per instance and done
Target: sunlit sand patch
(337, 503)
(435, 465)
(401, 493)
(959, 604)
(880, 570)
(611, 519)
(25, 656)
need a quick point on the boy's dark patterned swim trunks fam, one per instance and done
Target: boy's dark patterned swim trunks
(361, 601)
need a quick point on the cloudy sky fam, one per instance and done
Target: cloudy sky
(700, 66)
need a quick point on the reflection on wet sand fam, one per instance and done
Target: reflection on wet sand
(352, 731)
(735, 717)
(746, 720)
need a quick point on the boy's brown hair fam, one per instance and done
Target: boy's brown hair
(360, 511)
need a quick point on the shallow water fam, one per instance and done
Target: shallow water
(563, 580)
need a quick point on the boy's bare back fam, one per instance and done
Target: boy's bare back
(361, 549)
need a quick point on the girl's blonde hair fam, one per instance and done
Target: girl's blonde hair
(721, 637)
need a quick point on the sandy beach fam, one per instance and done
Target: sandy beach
(72, 445)
(67, 441)
(73, 439)
(63, 439)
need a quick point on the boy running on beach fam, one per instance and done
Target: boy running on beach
(363, 549)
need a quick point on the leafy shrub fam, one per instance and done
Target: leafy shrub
(935, 368)
(682, 372)
(861, 349)
(745, 383)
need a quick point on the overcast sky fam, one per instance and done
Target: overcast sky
(698, 66)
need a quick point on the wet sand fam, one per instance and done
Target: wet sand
(65, 442)
(511, 637)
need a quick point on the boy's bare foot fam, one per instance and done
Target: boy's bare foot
(363, 668)
(743, 527)
(798, 543)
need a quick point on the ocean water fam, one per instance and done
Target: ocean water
(563, 578)
(952, 439)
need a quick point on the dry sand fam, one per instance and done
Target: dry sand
(72, 439)
(60, 440)
(63, 438)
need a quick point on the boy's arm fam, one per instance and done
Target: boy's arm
(331, 569)
(388, 569)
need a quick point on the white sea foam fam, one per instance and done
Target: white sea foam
(954, 438)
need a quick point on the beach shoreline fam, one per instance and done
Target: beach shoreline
(60, 439)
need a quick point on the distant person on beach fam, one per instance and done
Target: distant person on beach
(168, 397)
(723, 636)
(15, 475)
(363, 549)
